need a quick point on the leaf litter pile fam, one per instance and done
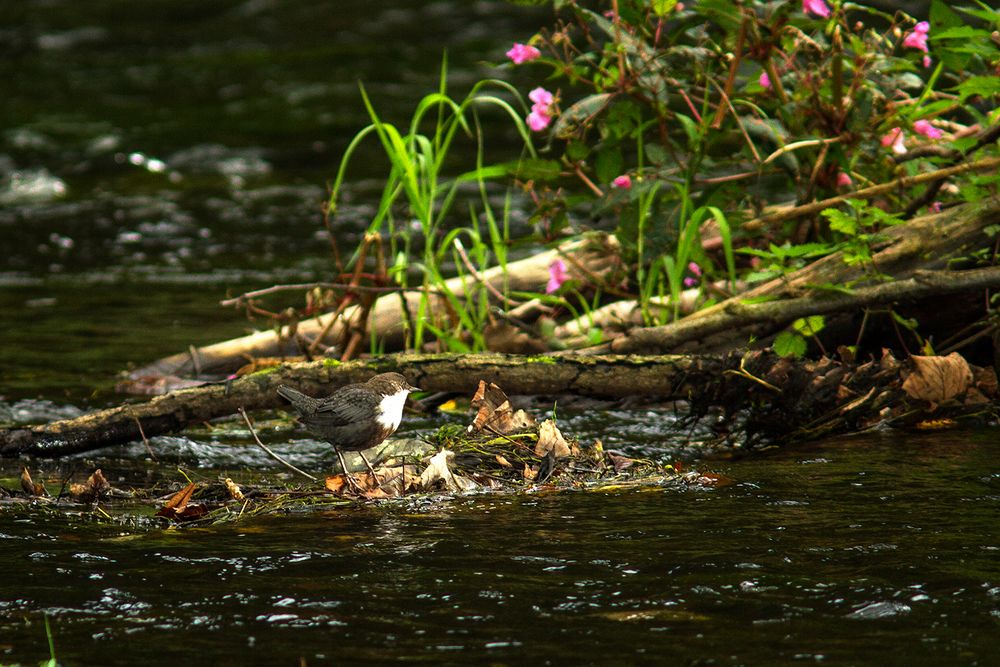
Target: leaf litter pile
(502, 449)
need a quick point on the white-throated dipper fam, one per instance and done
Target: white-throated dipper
(354, 417)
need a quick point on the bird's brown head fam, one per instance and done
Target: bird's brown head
(388, 384)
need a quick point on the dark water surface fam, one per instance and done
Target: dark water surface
(882, 549)
(158, 156)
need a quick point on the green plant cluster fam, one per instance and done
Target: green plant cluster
(671, 123)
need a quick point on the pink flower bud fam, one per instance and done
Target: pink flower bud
(557, 276)
(538, 121)
(623, 182)
(925, 128)
(765, 80)
(917, 39)
(522, 53)
(894, 138)
(843, 180)
(817, 7)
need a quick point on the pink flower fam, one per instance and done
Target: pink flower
(927, 61)
(817, 7)
(894, 138)
(843, 180)
(765, 80)
(538, 121)
(691, 281)
(522, 53)
(935, 207)
(623, 182)
(557, 276)
(540, 115)
(918, 38)
(925, 128)
(542, 99)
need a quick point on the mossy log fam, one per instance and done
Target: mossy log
(777, 398)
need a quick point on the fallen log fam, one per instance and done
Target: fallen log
(389, 315)
(765, 397)
(614, 377)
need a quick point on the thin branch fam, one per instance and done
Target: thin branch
(868, 193)
(270, 453)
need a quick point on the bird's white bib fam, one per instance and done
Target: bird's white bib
(391, 410)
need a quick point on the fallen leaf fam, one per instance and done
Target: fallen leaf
(503, 461)
(529, 473)
(986, 380)
(619, 462)
(938, 379)
(335, 483)
(179, 507)
(30, 486)
(234, 490)
(437, 470)
(494, 411)
(95, 486)
(551, 439)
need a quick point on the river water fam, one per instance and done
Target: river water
(157, 157)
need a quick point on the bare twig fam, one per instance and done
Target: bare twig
(270, 453)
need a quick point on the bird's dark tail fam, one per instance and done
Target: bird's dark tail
(304, 404)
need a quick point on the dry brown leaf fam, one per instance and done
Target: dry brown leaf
(529, 473)
(30, 486)
(335, 484)
(494, 411)
(551, 439)
(95, 486)
(619, 462)
(234, 490)
(178, 506)
(503, 461)
(938, 379)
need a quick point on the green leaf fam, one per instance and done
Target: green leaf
(985, 86)
(840, 221)
(533, 169)
(663, 7)
(809, 326)
(789, 344)
(580, 114)
(609, 163)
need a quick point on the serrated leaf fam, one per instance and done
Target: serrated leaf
(985, 86)
(789, 344)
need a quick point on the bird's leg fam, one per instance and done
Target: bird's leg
(364, 458)
(347, 473)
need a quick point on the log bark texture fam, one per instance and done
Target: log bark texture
(388, 316)
(611, 377)
(922, 244)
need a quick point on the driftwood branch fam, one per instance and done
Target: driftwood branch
(777, 314)
(390, 313)
(900, 184)
(923, 244)
(593, 376)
